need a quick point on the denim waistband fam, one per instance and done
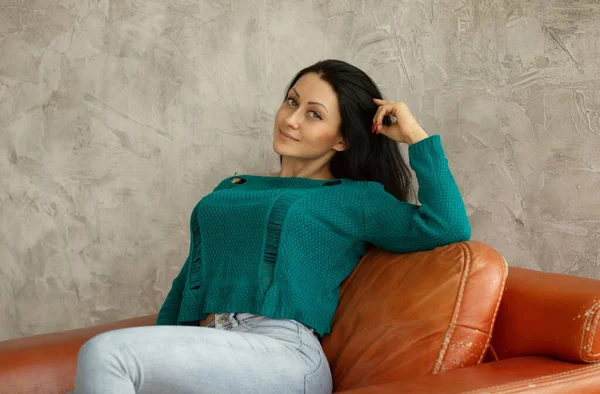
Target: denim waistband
(227, 320)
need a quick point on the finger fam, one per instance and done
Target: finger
(376, 116)
(379, 117)
(381, 101)
(381, 112)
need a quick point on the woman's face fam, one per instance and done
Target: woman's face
(311, 116)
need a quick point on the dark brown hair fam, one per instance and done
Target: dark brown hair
(368, 156)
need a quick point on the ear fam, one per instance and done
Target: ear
(341, 145)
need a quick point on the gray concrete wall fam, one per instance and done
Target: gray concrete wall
(116, 117)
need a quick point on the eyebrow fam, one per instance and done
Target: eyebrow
(310, 102)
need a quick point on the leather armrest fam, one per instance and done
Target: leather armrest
(546, 314)
(47, 363)
(533, 375)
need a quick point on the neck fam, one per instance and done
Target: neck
(314, 170)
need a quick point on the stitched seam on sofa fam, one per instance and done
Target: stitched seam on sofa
(589, 328)
(586, 338)
(591, 333)
(450, 331)
(583, 331)
(489, 338)
(573, 374)
(471, 328)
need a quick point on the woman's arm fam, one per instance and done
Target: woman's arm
(441, 219)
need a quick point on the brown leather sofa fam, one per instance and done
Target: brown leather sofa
(411, 323)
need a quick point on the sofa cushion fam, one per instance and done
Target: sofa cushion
(405, 315)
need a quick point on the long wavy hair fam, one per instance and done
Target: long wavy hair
(368, 156)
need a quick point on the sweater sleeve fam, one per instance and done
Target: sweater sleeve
(169, 311)
(441, 218)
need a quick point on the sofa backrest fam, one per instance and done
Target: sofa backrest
(404, 315)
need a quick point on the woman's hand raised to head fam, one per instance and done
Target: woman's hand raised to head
(405, 129)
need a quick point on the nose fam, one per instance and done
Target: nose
(292, 120)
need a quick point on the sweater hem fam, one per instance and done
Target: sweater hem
(321, 328)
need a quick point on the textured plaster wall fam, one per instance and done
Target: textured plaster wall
(116, 117)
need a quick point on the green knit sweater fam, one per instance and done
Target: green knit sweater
(281, 246)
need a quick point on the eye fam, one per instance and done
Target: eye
(315, 115)
(291, 101)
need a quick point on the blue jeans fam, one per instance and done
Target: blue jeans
(248, 354)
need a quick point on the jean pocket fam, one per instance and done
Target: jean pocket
(261, 322)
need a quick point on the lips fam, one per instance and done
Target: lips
(287, 135)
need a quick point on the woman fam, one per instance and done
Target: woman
(268, 253)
